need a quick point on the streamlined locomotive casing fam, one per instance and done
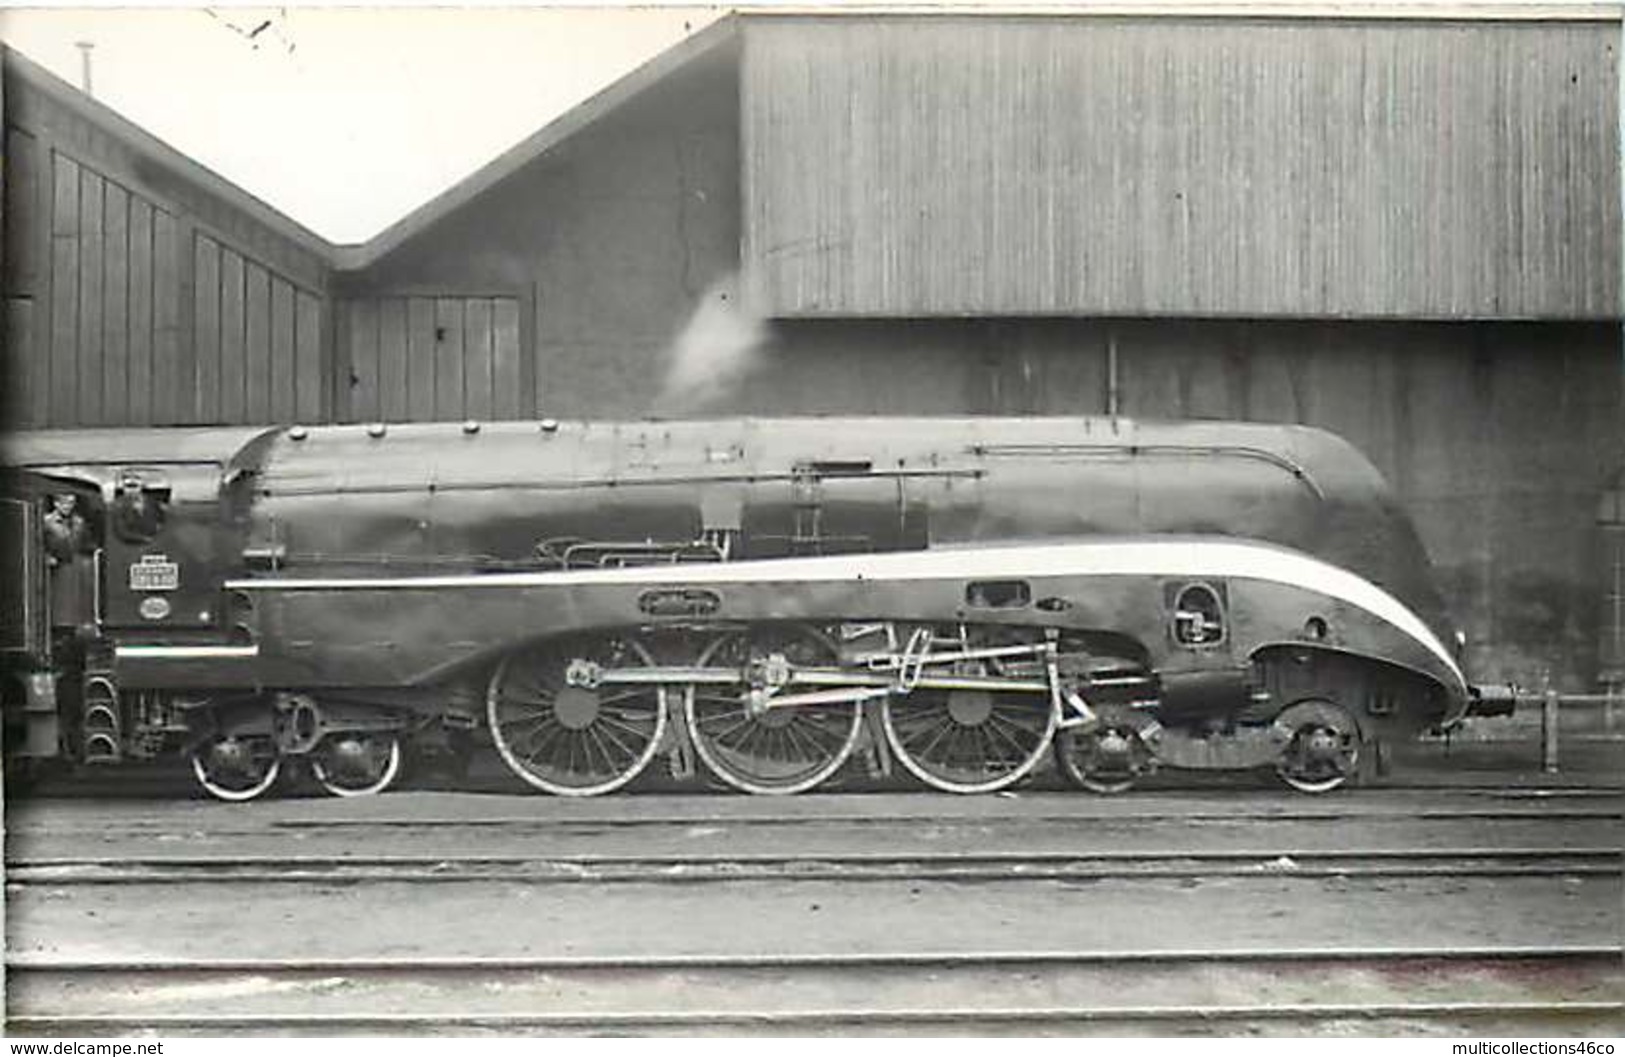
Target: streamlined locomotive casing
(353, 497)
(324, 632)
(396, 568)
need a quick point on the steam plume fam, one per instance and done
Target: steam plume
(715, 351)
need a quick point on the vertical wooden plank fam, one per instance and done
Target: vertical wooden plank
(257, 341)
(233, 351)
(532, 386)
(173, 389)
(116, 306)
(206, 330)
(393, 368)
(420, 358)
(92, 360)
(308, 354)
(141, 325)
(448, 336)
(477, 366)
(362, 351)
(339, 368)
(27, 228)
(284, 361)
(63, 353)
(506, 377)
(26, 403)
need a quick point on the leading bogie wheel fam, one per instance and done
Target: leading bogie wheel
(1108, 759)
(236, 769)
(569, 736)
(356, 764)
(769, 750)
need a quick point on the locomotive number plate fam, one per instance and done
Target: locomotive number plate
(150, 574)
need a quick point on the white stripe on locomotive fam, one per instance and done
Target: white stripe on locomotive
(1179, 558)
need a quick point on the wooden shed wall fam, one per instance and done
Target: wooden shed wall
(432, 359)
(1164, 166)
(137, 293)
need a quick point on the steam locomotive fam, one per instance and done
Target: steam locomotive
(962, 597)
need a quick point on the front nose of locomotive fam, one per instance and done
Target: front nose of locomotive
(1484, 700)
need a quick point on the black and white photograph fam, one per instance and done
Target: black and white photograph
(808, 522)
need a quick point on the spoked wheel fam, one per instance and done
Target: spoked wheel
(769, 750)
(575, 740)
(1107, 759)
(1322, 746)
(969, 741)
(356, 764)
(236, 769)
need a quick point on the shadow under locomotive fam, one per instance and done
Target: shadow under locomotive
(959, 596)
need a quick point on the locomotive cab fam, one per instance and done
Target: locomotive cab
(121, 539)
(164, 549)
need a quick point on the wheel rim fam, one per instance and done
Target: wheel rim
(381, 765)
(1074, 755)
(779, 751)
(571, 740)
(1323, 752)
(1317, 775)
(963, 744)
(234, 770)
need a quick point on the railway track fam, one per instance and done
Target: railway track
(600, 821)
(458, 914)
(693, 868)
(1015, 991)
(427, 811)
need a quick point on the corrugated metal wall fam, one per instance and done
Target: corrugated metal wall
(1175, 166)
(427, 359)
(141, 290)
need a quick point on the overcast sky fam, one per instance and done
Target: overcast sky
(347, 119)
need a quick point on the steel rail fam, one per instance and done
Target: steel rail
(1071, 819)
(23, 1023)
(145, 828)
(835, 960)
(856, 858)
(700, 869)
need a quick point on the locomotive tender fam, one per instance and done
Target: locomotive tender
(960, 596)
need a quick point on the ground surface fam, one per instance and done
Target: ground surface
(1227, 866)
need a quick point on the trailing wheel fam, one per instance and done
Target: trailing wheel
(762, 749)
(561, 731)
(236, 768)
(1322, 746)
(355, 764)
(968, 741)
(1106, 759)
